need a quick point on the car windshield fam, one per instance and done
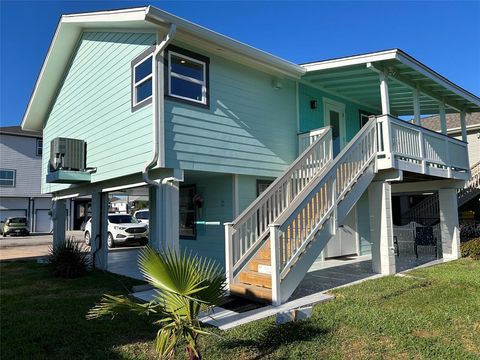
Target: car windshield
(122, 219)
(142, 215)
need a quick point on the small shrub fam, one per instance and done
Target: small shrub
(471, 249)
(69, 259)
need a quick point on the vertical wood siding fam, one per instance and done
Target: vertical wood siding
(93, 104)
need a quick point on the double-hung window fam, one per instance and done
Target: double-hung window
(142, 80)
(39, 147)
(187, 76)
(7, 178)
(187, 212)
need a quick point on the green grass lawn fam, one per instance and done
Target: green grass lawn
(435, 315)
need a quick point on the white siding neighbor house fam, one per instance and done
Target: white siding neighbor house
(20, 178)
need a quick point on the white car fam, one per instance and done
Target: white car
(142, 215)
(122, 229)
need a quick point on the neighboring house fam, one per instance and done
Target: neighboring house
(20, 172)
(208, 123)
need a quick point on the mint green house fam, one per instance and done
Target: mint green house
(256, 162)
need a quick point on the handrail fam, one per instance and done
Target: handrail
(251, 227)
(297, 226)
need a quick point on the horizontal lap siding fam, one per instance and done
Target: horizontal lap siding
(250, 127)
(217, 192)
(313, 118)
(93, 104)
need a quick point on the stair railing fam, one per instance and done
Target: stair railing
(244, 235)
(306, 215)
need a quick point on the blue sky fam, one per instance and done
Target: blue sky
(443, 35)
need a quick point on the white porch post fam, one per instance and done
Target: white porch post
(449, 228)
(384, 94)
(463, 124)
(381, 227)
(416, 107)
(98, 240)
(164, 216)
(59, 219)
(443, 117)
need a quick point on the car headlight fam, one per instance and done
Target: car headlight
(119, 227)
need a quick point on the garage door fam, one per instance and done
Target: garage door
(11, 213)
(43, 222)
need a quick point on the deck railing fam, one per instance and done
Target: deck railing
(247, 231)
(293, 230)
(425, 151)
(307, 138)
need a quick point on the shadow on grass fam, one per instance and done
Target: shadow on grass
(266, 342)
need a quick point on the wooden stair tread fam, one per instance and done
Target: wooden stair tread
(251, 292)
(255, 278)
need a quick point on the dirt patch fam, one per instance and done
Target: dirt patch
(425, 334)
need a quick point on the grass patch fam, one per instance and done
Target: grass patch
(433, 315)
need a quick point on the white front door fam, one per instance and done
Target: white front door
(334, 115)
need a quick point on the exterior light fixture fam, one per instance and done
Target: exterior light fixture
(313, 104)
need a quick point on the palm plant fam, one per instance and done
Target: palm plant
(185, 285)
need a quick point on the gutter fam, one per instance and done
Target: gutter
(158, 113)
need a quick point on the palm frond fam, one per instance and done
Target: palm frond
(113, 305)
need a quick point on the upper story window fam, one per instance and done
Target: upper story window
(7, 178)
(187, 76)
(142, 80)
(39, 147)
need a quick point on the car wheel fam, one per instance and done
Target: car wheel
(87, 238)
(110, 242)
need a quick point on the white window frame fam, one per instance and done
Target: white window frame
(39, 146)
(187, 78)
(136, 84)
(14, 178)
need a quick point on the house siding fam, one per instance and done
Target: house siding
(94, 104)
(249, 128)
(20, 153)
(314, 118)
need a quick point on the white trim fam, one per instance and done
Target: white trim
(340, 108)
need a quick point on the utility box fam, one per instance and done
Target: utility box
(68, 154)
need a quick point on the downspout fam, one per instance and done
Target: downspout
(158, 113)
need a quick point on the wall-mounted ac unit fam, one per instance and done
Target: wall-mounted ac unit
(68, 154)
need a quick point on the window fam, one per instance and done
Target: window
(187, 212)
(262, 185)
(7, 178)
(364, 117)
(187, 76)
(142, 80)
(39, 147)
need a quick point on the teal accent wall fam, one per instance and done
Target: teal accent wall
(217, 192)
(247, 190)
(250, 127)
(314, 118)
(93, 104)
(363, 223)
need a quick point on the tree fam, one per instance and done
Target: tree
(185, 286)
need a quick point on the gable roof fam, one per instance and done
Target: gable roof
(453, 122)
(18, 131)
(148, 19)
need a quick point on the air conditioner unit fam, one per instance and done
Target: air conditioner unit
(68, 154)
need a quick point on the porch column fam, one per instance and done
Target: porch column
(381, 227)
(164, 216)
(384, 93)
(59, 214)
(98, 239)
(449, 228)
(416, 107)
(463, 124)
(443, 117)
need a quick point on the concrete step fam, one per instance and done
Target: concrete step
(255, 278)
(251, 292)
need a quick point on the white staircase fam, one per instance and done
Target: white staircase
(273, 243)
